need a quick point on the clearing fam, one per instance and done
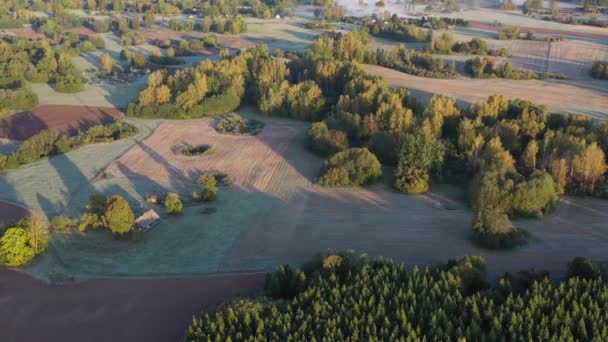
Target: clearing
(67, 119)
(274, 214)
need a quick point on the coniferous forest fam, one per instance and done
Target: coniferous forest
(339, 297)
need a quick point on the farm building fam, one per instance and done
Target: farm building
(146, 221)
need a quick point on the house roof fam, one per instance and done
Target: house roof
(147, 218)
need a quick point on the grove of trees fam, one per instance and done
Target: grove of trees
(23, 241)
(342, 297)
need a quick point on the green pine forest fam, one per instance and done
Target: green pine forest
(343, 297)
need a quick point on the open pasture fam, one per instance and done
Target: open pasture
(275, 214)
(67, 119)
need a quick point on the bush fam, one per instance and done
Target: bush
(98, 41)
(210, 41)
(173, 204)
(354, 166)
(132, 38)
(62, 223)
(599, 70)
(197, 150)
(209, 185)
(583, 268)
(324, 141)
(234, 124)
(87, 46)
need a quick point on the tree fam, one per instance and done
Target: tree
(209, 185)
(15, 248)
(139, 60)
(495, 158)
(38, 232)
(107, 63)
(589, 167)
(135, 22)
(173, 204)
(118, 216)
(420, 154)
(148, 19)
(528, 158)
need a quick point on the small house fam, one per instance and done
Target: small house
(146, 221)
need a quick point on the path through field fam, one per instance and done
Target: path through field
(584, 97)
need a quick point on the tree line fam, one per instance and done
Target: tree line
(340, 297)
(51, 142)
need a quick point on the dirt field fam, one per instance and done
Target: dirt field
(587, 97)
(68, 119)
(486, 26)
(274, 214)
(26, 32)
(112, 309)
(82, 31)
(10, 212)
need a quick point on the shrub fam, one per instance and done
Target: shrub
(98, 41)
(197, 150)
(234, 124)
(173, 204)
(354, 166)
(209, 185)
(583, 268)
(87, 46)
(88, 220)
(599, 70)
(210, 41)
(62, 223)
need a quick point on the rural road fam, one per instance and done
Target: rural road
(558, 96)
(112, 309)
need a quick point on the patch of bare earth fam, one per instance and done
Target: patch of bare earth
(113, 309)
(586, 97)
(26, 32)
(233, 42)
(67, 119)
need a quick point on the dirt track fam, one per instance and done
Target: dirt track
(68, 119)
(587, 97)
(112, 309)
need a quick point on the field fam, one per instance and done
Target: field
(67, 119)
(588, 97)
(275, 214)
(112, 309)
(10, 212)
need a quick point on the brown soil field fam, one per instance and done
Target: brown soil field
(233, 42)
(574, 59)
(530, 55)
(586, 97)
(26, 32)
(571, 58)
(68, 119)
(157, 158)
(112, 309)
(82, 31)
(161, 34)
(491, 27)
(10, 213)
